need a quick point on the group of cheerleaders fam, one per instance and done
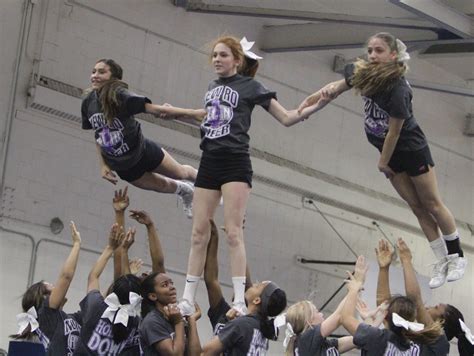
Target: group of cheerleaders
(142, 315)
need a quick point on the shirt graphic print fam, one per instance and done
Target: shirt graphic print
(110, 139)
(376, 119)
(220, 104)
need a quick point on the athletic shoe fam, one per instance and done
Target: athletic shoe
(186, 197)
(186, 308)
(438, 275)
(456, 267)
(240, 307)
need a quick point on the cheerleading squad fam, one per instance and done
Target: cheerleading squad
(141, 314)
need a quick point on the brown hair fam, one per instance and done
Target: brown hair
(33, 297)
(371, 78)
(299, 317)
(234, 44)
(108, 92)
(406, 308)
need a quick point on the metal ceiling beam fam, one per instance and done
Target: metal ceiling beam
(202, 7)
(324, 36)
(443, 16)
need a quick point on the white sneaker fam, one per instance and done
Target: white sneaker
(186, 308)
(456, 267)
(439, 273)
(240, 307)
(186, 196)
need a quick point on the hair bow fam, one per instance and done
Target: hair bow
(246, 46)
(403, 56)
(408, 325)
(123, 311)
(289, 333)
(28, 318)
(467, 332)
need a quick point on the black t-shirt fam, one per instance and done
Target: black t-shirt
(58, 332)
(242, 336)
(121, 144)
(394, 103)
(229, 103)
(153, 329)
(217, 315)
(312, 343)
(377, 342)
(96, 333)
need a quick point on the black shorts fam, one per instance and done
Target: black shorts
(415, 163)
(217, 169)
(152, 157)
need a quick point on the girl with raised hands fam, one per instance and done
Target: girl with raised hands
(225, 168)
(405, 157)
(110, 325)
(109, 109)
(307, 331)
(403, 335)
(43, 319)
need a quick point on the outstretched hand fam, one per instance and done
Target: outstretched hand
(404, 250)
(384, 254)
(108, 174)
(141, 216)
(129, 238)
(76, 236)
(135, 265)
(121, 200)
(116, 236)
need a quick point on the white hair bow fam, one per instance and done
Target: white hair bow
(467, 332)
(246, 46)
(289, 333)
(403, 56)
(28, 318)
(123, 311)
(408, 325)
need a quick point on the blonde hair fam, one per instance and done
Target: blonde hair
(299, 316)
(371, 78)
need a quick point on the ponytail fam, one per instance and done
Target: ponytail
(428, 335)
(372, 78)
(108, 98)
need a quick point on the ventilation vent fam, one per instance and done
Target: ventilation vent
(60, 87)
(56, 112)
(450, 48)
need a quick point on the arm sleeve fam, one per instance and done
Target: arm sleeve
(369, 338)
(49, 319)
(86, 125)
(218, 313)
(400, 103)
(231, 333)
(349, 73)
(132, 103)
(90, 303)
(153, 330)
(262, 96)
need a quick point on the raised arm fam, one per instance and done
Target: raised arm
(194, 345)
(356, 282)
(67, 272)
(120, 203)
(105, 170)
(391, 139)
(156, 251)
(115, 239)
(171, 111)
(126, 244)
(412, 288)
(345, 344)
(333, 321)
(384, 258)
(175, 346)
(211, 268)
